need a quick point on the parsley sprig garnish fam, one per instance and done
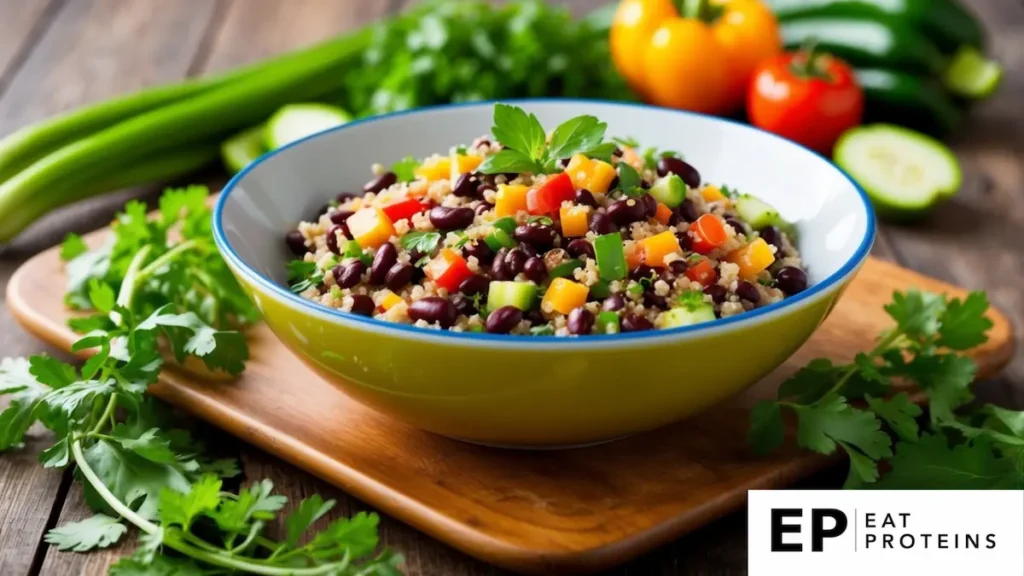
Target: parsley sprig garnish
(846, 406)
(526, 148)
(149, 293)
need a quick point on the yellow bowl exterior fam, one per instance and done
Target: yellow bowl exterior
(537, 396)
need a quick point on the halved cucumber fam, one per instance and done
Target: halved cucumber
(757, 212)
(971, 75)
(670, 190)
(687, 316)
(518, 294)
(241, 149)
(296, 121)
(904, 172)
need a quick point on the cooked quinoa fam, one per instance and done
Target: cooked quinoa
(566, 253)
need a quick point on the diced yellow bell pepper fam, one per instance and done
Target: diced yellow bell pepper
(574, 221)
(511, 198)
(388, 300)
(436, 168)
(462, 163)
(564, 296)
(752, 259)
(656, 247)
(589, 174)
(370, 227)
(712, 193)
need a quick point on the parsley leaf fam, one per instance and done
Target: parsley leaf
(627, 141)
(579, 134)
(519, 131)
(309, 511)
(72, 247)
(182, 508)
(766, 432)
(691, 300)
(545, 220)
(425, 242)
(964, 324)
(99, 531)
(933, 463)
(218, 349)
(629, 178)
(602, 151)
(509, 161)
(405, 169)
(899, 413)
(303, 275)
(946, 378)
(543, 330)
(917, 314)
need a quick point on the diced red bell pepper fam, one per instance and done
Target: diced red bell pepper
(708, 233)
(448, 270)
(403, 209)
(549, 197)
(702, 272)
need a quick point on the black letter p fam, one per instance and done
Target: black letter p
(818, 532)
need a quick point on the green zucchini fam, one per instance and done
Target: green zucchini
(905, 173)
(867, 43)
(971, 75)
(909, 100)
(947, 23)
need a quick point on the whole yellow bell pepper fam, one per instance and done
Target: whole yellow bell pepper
(702, 59)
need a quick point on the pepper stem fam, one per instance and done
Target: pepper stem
(699, 10)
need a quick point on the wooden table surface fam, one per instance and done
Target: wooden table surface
(58, 54)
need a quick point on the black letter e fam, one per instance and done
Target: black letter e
(779, 528)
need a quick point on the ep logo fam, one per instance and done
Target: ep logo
(822, 523)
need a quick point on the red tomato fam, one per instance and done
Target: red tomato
(448, 270)
(708, 233)
(549, 197)
(807, 97)
(403, 209)
(702, 272)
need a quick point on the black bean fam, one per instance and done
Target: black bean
(434, 309)
(564, 162)
(539, 235)
(536, 318)
(626, 211)
(332, 238)
(613, 303)
(535, 269)
(635, 323)
(585, 198)
(339, 217)
(499, 271)
(528, 249)
(343, 197)
(650, 205)
(296, 242)
(652, 300)
(602, 224)
(504, 319)
(685, 242)
(465, 186)
(445, 218)
(480, 207)
(791, 280)
(748, 292)
(515, 261)
(580, 248)
(687, 210)
(666, 275)
(475, 284)
(399, 275)
(678, 267)
(349, 274)
(479, 250)
(484, 187)
(717, 293)
(383, 260)
(689, 174)
(614, 183)
(382, 182)
(642, 271)
(363, 305)
(738, 226)
(771, 235)
(463, 304)
(581, 321)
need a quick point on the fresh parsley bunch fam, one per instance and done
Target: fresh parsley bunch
(849, 407)
(149, 292)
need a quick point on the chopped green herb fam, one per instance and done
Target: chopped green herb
(691, 300)
(463, 239)
(729, 192)
(303, 275)
(405, 169)
(546, 221)
(608, 322)
(425, 242)
(651, 156)
(542, 330)
(694, 259)
(527, 148)
(461, 150)
(422, 262)
(336, 293)
(627, 141)
(635, 289)
(629, 180)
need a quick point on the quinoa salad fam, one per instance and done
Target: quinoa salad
(532, 233)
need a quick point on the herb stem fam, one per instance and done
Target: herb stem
(107, 413)
(113, 501)
(127, 290)
(852, 369)
(166, 257)
(254, 531)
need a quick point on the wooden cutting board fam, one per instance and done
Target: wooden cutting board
(544, 512)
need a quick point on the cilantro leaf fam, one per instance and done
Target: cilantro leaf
(509, 161)
(218, 349)
(132, 479)
(85, 324)
(810, 382)
(405, 169)
(425, 242)
(766, 432)
(308, 511)
(546, 329)
(946, 378)
(253, 503)
(519, 131)
(964, 324)
(917, 314)
(576, 135)
(58, 455)
(149, 545)
(355, 536)
(899, 413)
(50, 371)
(99, 531)
(303, 275)
(151, 444)
(602, 151)
(627, 141)
(629, 178)
(183, 508)
(932, 463)
(77, 396)
(72, 247)
(101, 295)
(832, 420)
(691, 300)
(159, 566)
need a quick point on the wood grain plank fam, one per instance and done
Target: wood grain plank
(23, 22)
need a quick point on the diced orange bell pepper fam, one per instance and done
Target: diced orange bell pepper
(388, 300)
(663, 214)
(434, 169)
(752, 259)
(564, 296)
(656, 247)
(463, 163)
(708, 233)
(370, 227)
(634, 256)
(511, 198)
(593, 175)
(574, 221)
(702, 272)
(712, 193)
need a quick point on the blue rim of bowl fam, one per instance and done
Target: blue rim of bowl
(848, 267)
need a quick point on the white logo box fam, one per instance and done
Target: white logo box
(931, 533)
